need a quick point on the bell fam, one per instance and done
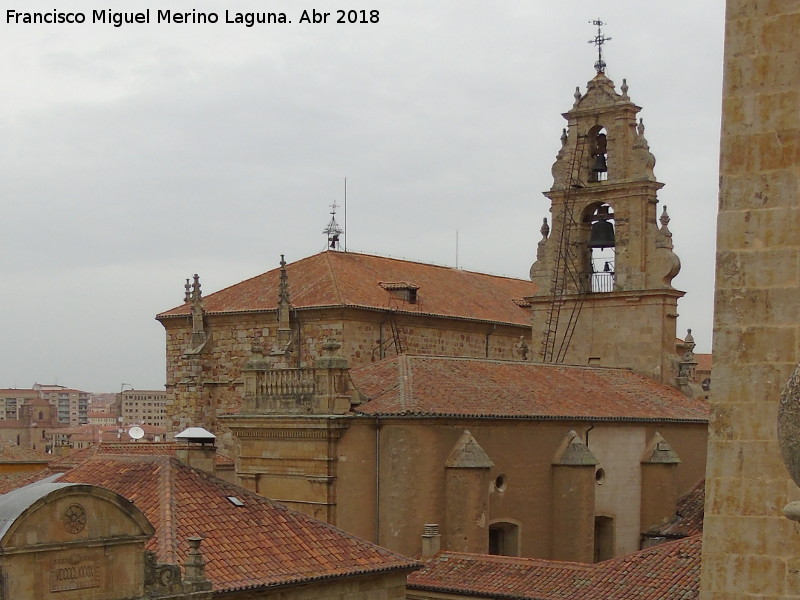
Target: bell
(600, 164)
(602, 235)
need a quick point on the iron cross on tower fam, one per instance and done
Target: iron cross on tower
(599, 40)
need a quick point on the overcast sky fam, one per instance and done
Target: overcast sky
(133, 157)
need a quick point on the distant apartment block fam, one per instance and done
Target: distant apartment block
(72, 406)
(144, 407)
(102, 418)
(12, 399)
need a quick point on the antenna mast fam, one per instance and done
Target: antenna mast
(345, 214)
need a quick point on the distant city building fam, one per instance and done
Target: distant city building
(102, 418)
(144, 407)
(72, 405)
(12, 399)
(33, 425)
(103, 403)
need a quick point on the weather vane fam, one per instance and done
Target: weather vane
(599, 40)
(333, 230)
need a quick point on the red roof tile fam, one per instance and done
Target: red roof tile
(361, 280)
(259, 544)
(12, 453)
(130, 448)
(669, 571)
(441, 386)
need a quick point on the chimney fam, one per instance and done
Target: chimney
(431, 540)
(196, 449)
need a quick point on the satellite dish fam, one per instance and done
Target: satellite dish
(136, 432)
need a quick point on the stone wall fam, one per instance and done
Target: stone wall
(749, 549)
(204, 385)
(412, 489)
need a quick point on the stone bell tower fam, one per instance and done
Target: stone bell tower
(604, 266)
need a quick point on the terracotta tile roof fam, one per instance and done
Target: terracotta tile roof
(360, 280)
(443, 386)
(260, 544)
(130, 449)
(669, 571)
(12, 453)
(688, 519)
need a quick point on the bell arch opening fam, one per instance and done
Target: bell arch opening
(598, 154)
(598, 221)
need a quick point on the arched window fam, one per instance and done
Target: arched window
(504, 538)
(599, 218)
(598, 154)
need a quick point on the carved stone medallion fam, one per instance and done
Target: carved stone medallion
(74, 518)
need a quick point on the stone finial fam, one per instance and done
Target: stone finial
(283, 286)
(664, 218)
(284, 340)
(199, 336)
(664, 237)
(564, 137)
(196, 293)
(257, 360)
(577, 95)
(187, 294)
(521, 349)
(331, 358)
(640, 127)
(197, 306)
(624, 89)
(330, 346)
(195, 566)
(689, 340)
(545, 231)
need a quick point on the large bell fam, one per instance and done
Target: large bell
(602, 235)
(600, 165)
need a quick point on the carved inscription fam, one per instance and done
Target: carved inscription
(74, 574)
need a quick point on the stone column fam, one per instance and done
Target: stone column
(573, 501)
(659, 490)
(749, 548)
(467, 497)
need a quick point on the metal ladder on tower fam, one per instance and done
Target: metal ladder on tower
(397, 334)
(567, 268)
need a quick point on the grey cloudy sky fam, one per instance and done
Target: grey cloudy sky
(136, 156)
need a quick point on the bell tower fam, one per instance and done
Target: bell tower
(604, 266)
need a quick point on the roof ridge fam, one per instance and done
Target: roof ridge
(402, 370)
(168, 516)
(432, 264)
(337, 291)
(516, 560)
